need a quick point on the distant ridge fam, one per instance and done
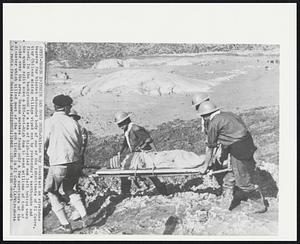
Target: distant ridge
(86, 54)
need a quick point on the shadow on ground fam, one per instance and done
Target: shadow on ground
(189, 185)
(262, 178)
(101, 215)
(266, 182)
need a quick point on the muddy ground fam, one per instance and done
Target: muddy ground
(195, 203)
(194, 206)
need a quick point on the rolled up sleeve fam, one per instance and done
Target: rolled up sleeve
(212, 135)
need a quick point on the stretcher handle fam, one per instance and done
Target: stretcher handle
(210, 172)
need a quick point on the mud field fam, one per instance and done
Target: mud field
(194, 206)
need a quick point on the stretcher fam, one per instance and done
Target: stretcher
(155, 172)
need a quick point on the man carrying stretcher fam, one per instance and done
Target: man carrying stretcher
(230, 131)
(136, 139)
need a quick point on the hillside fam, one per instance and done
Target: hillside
(86, 54)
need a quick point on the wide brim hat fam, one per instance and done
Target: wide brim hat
(198, 103)
(199, 98)
(210, 111)
(122, 119)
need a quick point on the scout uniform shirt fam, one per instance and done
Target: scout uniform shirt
(135, 136)
(229, 130)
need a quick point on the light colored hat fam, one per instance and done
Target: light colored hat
(207, 107)
(74, 113)
(121, 116)
(199, 98)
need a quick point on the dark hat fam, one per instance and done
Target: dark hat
(62, 100)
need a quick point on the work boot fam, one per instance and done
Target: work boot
(238, 196)
(63, 229)
(86, 221)
(255, 194)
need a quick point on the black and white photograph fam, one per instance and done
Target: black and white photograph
(149, 121)
(147, 138)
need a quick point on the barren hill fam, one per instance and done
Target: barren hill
(145, 82)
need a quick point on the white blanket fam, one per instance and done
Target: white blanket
(178, 159)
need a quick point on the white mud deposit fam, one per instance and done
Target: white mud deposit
(145, 82)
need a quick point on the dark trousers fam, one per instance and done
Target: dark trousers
(243, 171)
(126, 185)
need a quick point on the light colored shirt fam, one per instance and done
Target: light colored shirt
(63, 139)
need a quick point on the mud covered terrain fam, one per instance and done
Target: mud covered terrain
(194, 206)
(156, 89)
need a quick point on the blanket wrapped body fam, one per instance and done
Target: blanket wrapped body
(175, 159)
